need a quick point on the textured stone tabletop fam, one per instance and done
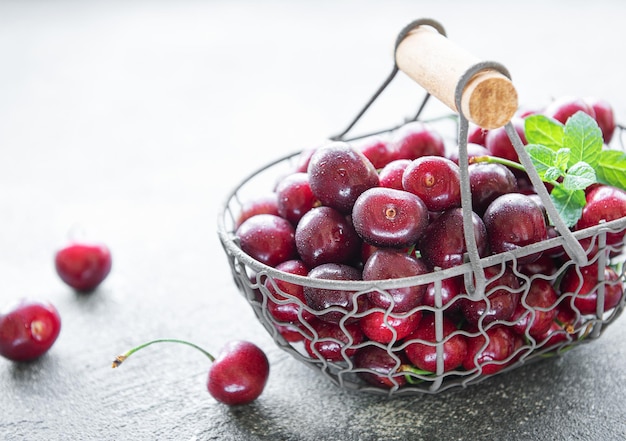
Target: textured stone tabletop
(129, 122)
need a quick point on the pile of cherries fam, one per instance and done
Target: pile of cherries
(389, 207)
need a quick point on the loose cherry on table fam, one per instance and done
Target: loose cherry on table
(237, 376)
(83, 266)
(28, 329)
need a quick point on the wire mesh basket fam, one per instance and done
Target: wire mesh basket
(451, 351)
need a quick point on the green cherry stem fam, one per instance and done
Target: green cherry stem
(497, 160)
(121, 358)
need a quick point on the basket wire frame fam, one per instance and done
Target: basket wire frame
(261, 284)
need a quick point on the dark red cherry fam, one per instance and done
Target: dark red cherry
(267, 238)
(295, 197)
(563, 107)
(391, 174)
(386, 328)
(332, 343)
(28, 329)
(83, 266)
(339, 173)
(492, 354)
(537, 310)
(436, 180)
(416, 139)
(378, 367)
(386, 217)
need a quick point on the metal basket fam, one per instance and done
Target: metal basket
(260, 284)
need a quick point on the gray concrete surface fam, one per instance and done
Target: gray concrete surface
(130, 121)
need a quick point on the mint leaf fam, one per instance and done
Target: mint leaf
(542, 158)
(579, 176)
(561, 159)
(584, 139)
(611, 168)
(552, 174)
(569, 204)
(539, 129)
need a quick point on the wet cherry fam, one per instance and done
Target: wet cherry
(237, 375)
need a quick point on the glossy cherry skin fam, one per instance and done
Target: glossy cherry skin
(604, 203)
(263, 204)
(513, 221)
(377, 149)
(499, 144)
(503, 293)
(416, 139)
(537, 318)
(239, 373)
(267, 238)
(324, 235)
(436, 180)
(333, 343)
(501, 343)
(391, 175)
(565, 106)
(338, 174)
(424, 354)
(585, 287)
(28, 329)
(342, 301)
(83, 266)
(487, 182)
(295, 197)
(443, 243)
(387, 264)
(386, 328)
(476, 134)
(451, 288)
(386, 217)
(377, 367)
(286, 300)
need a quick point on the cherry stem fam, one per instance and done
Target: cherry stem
(496, 160)
(121, 358)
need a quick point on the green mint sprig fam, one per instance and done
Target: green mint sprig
(570, 157)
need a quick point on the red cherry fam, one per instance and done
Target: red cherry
(237, 375)
(28, 329)
(83, 266)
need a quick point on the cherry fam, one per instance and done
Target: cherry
(378, 367)
(286, 302)
(513, 221)
(473, 150)
(604, 203)
(537, 318)
(332, 343)
(443, 243)
(492, 354)
(324, 235)
(487, 182)
(605, 116)
(563, 107)
(267, 238)
(583, 283)
(377, 149)
(339, 173)
(28, 329)
(237, 376)
(295, 197)
(391, 175)
(386, 217)
(386, 264)
(499, 144)
(264, 204)
(83, 266)
(416, 139)
(502, 291)
(476, 134)
(386, 328)
(341, 301)
(436, 180)
(423, 352)
(451, 288)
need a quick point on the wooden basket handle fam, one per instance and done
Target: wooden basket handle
(488, 99)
